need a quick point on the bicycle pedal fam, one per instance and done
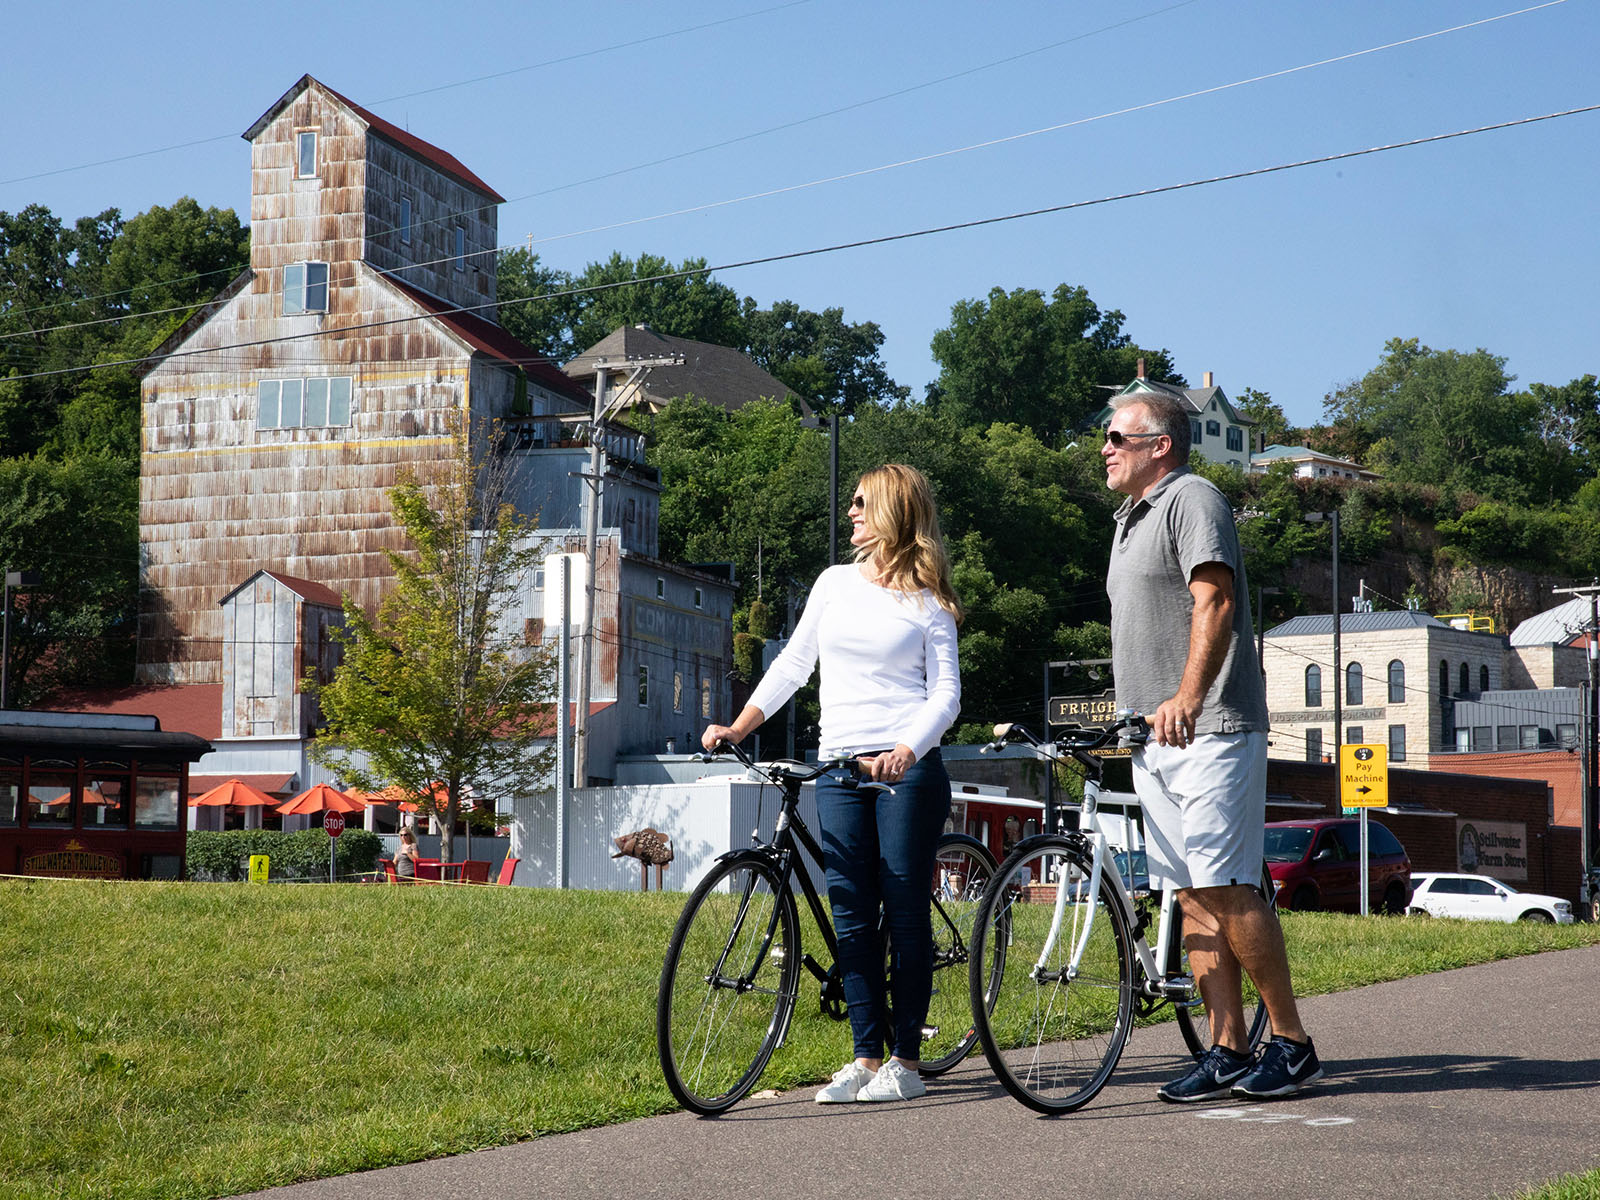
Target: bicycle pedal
(929, 1032)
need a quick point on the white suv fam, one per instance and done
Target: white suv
(1480, 898)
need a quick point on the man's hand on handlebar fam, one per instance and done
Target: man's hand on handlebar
(888, 767)
(716, 735)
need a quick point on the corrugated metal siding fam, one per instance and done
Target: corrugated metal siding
(703, 819)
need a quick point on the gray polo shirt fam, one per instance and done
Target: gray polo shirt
(1182, 523)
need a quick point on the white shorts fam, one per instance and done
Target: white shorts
(1205, 809)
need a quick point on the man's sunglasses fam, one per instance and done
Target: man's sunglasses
(1119, 439)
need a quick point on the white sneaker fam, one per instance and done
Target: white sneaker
(894, 1081)
(848, 1081)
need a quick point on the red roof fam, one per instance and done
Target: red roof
(429, 153)
(315, 592)
(492, 339)
(181, 707)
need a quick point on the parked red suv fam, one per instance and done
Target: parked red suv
(1316, 865)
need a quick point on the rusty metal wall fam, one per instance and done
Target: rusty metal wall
(438, 205)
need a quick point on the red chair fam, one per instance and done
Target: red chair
(428, 870)
(474, 871)
(390, 875)
(508, 870)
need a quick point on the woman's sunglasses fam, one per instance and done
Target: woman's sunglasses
(1119, 439)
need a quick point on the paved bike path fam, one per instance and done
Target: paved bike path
(1470, 1083)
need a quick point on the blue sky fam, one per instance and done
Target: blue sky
(1289, 283)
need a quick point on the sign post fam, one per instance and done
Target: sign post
(333, 825)
(1364, 784)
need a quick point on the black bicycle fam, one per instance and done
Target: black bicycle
(732, 972)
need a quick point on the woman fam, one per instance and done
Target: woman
(884, 630)
(405, 858)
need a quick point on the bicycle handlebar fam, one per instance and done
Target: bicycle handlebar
(1127, 728)
(786, 770)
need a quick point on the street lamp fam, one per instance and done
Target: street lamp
(833, 480)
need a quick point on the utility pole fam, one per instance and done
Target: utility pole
(595, 476)
(1589, 835)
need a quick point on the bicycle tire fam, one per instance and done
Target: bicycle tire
(962, 870)
(1051, 1041)
(728, 984)
(1193, 1020)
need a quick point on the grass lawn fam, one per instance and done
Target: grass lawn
(198, 1040)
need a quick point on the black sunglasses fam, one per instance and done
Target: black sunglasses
(1119, 439)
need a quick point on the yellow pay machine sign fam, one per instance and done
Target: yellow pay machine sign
(1364, 776)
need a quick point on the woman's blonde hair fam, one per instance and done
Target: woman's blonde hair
(908, 546)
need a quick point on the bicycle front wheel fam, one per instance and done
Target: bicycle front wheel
(728, 984)
(962, 869)
(1194, 1020)
(1056, 1025)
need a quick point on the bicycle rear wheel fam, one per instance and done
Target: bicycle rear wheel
(961, 871)
(1194, 1019)
(1056, 1025)
(728, 984)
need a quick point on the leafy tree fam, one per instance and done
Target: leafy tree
(530, 307)
(71, 522)
(835, 365)
(441, 685)
(1272, 425)
(1044, 363)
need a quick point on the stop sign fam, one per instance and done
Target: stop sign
(333, 823)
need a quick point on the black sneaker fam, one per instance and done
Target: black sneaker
(1283, 1068)
(1212, 1077)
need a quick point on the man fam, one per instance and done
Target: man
(1183, 655)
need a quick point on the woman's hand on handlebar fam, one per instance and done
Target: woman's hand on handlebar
(890, 766)
(715, 735)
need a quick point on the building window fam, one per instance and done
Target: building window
(1483, 677)
(1480, 739)
(1355, 735)
(644, 685)
(1566, 737)
(1313, 686)
(677, 691)
(1352, 684)
(1444, 680)
(1505, 737)
(1213, 429)
(698, 599)
(1195, 435)
(292, 403)
(705, 698)
(405, 220)
(1466, 679)
(1235, 438)
(1528, 737)
(661, 588)
(305, 288)
(1397, 743)
(461, 248)
(1463, 740)
(1397, 682)
(305, 154)
(1314, 745)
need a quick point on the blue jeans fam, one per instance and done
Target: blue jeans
(878, 850)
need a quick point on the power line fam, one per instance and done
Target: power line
(859, 244)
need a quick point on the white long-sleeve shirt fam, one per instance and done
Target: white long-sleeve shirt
(889, 670)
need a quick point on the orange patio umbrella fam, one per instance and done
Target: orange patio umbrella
(393, 794)
(235, 792)
(322, 798)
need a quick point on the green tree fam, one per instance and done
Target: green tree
(74, 524)
(441, 687)
(835, 365)
(1044, 363)
(1272, 426)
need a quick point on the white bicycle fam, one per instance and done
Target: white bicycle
(1060, 967)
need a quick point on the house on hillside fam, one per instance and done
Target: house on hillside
(361, 338)
(719, 375)
(1310, 464)
(1218, 431)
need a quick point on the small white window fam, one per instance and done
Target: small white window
(305, 154)
(644, 685)
(705, 698)
(305, 288)
(405, 220)
(267, 404)
(661, 588)
(698, 599)
(339, 400)
(289, 407)
(677, 691)
(316, 402)
(461, 248)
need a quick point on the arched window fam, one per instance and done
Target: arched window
(1352, 684)
(1466, 679)
(1444, 680)
(1313, 686)
(1397, 682)
(1483, 677)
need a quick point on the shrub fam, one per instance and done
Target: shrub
(225, 856)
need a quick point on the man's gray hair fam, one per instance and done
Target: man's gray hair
(1165, 415)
